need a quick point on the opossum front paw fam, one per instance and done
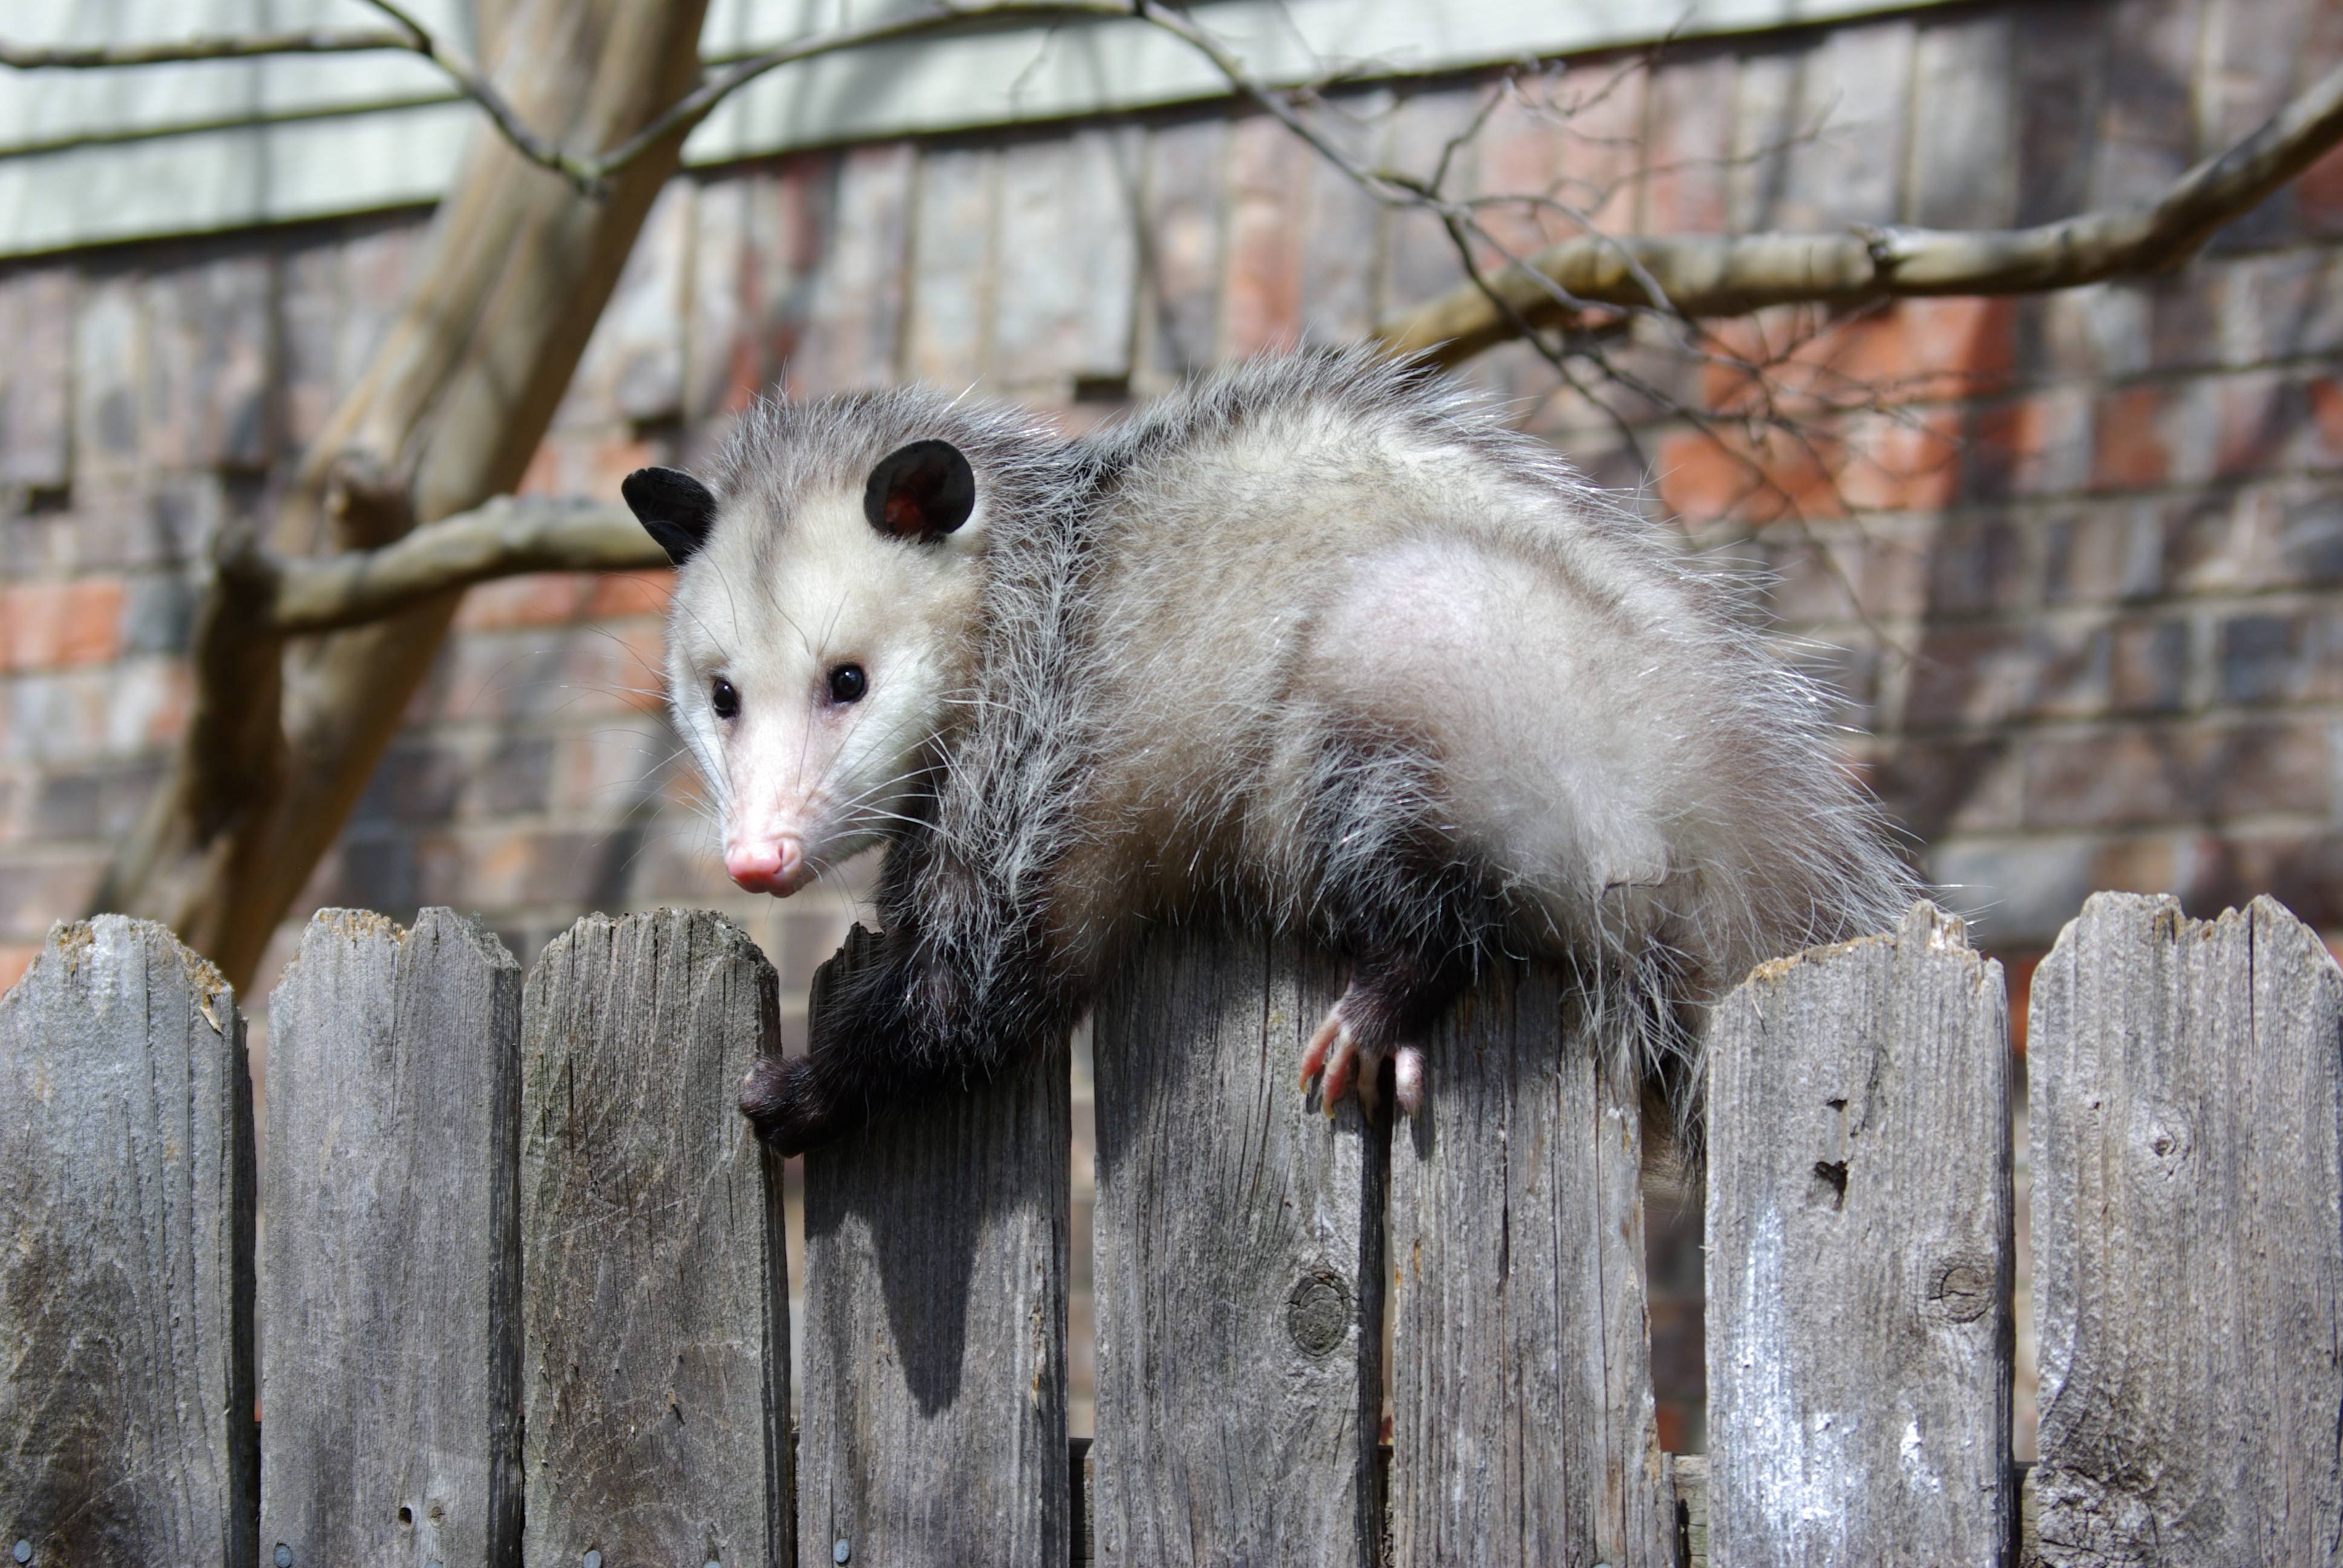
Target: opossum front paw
(783, 1100)
(1348, 1053)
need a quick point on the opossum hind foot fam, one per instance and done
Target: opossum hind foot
(783, 1099)
(1341, 1058)
(1391, 1001)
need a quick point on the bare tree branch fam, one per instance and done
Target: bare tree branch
(236, 46)
(501, 538)
(1693, 276)
(1696, 276)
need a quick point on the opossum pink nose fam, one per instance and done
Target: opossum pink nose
(774, 865)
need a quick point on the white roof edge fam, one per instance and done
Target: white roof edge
(326, 154)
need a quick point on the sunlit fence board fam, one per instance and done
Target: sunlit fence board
(1859, 1256)
(656, 1353)
(1238, 1268)
(126, 1434)
(391, 1285)
(1523, 1429)
(2187, 1084)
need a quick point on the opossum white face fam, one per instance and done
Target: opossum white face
(813, 649)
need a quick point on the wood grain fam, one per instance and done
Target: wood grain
(934, 1381)
(1523, 1429)
(126, 1433)
(656, 1353)
(1238, 1268)
(1860, 1256)
(390, 1287)
(2187, 1098)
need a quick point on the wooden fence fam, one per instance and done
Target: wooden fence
(519, 1296)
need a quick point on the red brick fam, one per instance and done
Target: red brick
(2318, 195)
(1917, 350)
(617, 594)
(1704, 476)
(51, 626)
(1907, 462)
(538, 598)
(2130, 451)
(2323, 435)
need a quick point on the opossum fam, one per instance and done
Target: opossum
(1317, 643)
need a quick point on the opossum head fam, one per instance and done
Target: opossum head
(819, 632)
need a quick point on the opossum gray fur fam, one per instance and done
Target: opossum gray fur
(1317, 643)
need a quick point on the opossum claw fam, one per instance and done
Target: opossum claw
(1340, 1058)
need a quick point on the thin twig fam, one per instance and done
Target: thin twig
(203, 47)
(1733, 275)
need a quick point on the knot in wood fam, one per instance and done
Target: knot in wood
(1961, 1291)
(1318, 1312)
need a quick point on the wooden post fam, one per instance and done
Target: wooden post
(2187, 1084)
(1859, 1256)
(655, 1354)
(934, 1382)
(390, 1326)
(1523, 1427)
(1239, 1269)
(126, 1430)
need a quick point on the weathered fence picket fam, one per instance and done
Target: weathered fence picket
(933, 1393)
(1522, 1426)
(2186, 1111)
(393, 1246)
(126, 1433)
(655, 1369)
(1238, 1268)
(1859, 1256)
(524, 1259)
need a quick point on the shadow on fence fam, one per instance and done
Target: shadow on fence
(521, 1293)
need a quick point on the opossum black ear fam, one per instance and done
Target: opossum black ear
(922, 491)
(673, 508)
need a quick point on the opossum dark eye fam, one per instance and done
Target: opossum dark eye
(848, 683)
(722, 698)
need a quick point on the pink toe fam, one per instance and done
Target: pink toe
(1407, 1075)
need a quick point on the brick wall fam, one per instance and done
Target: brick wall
(2076, 565)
